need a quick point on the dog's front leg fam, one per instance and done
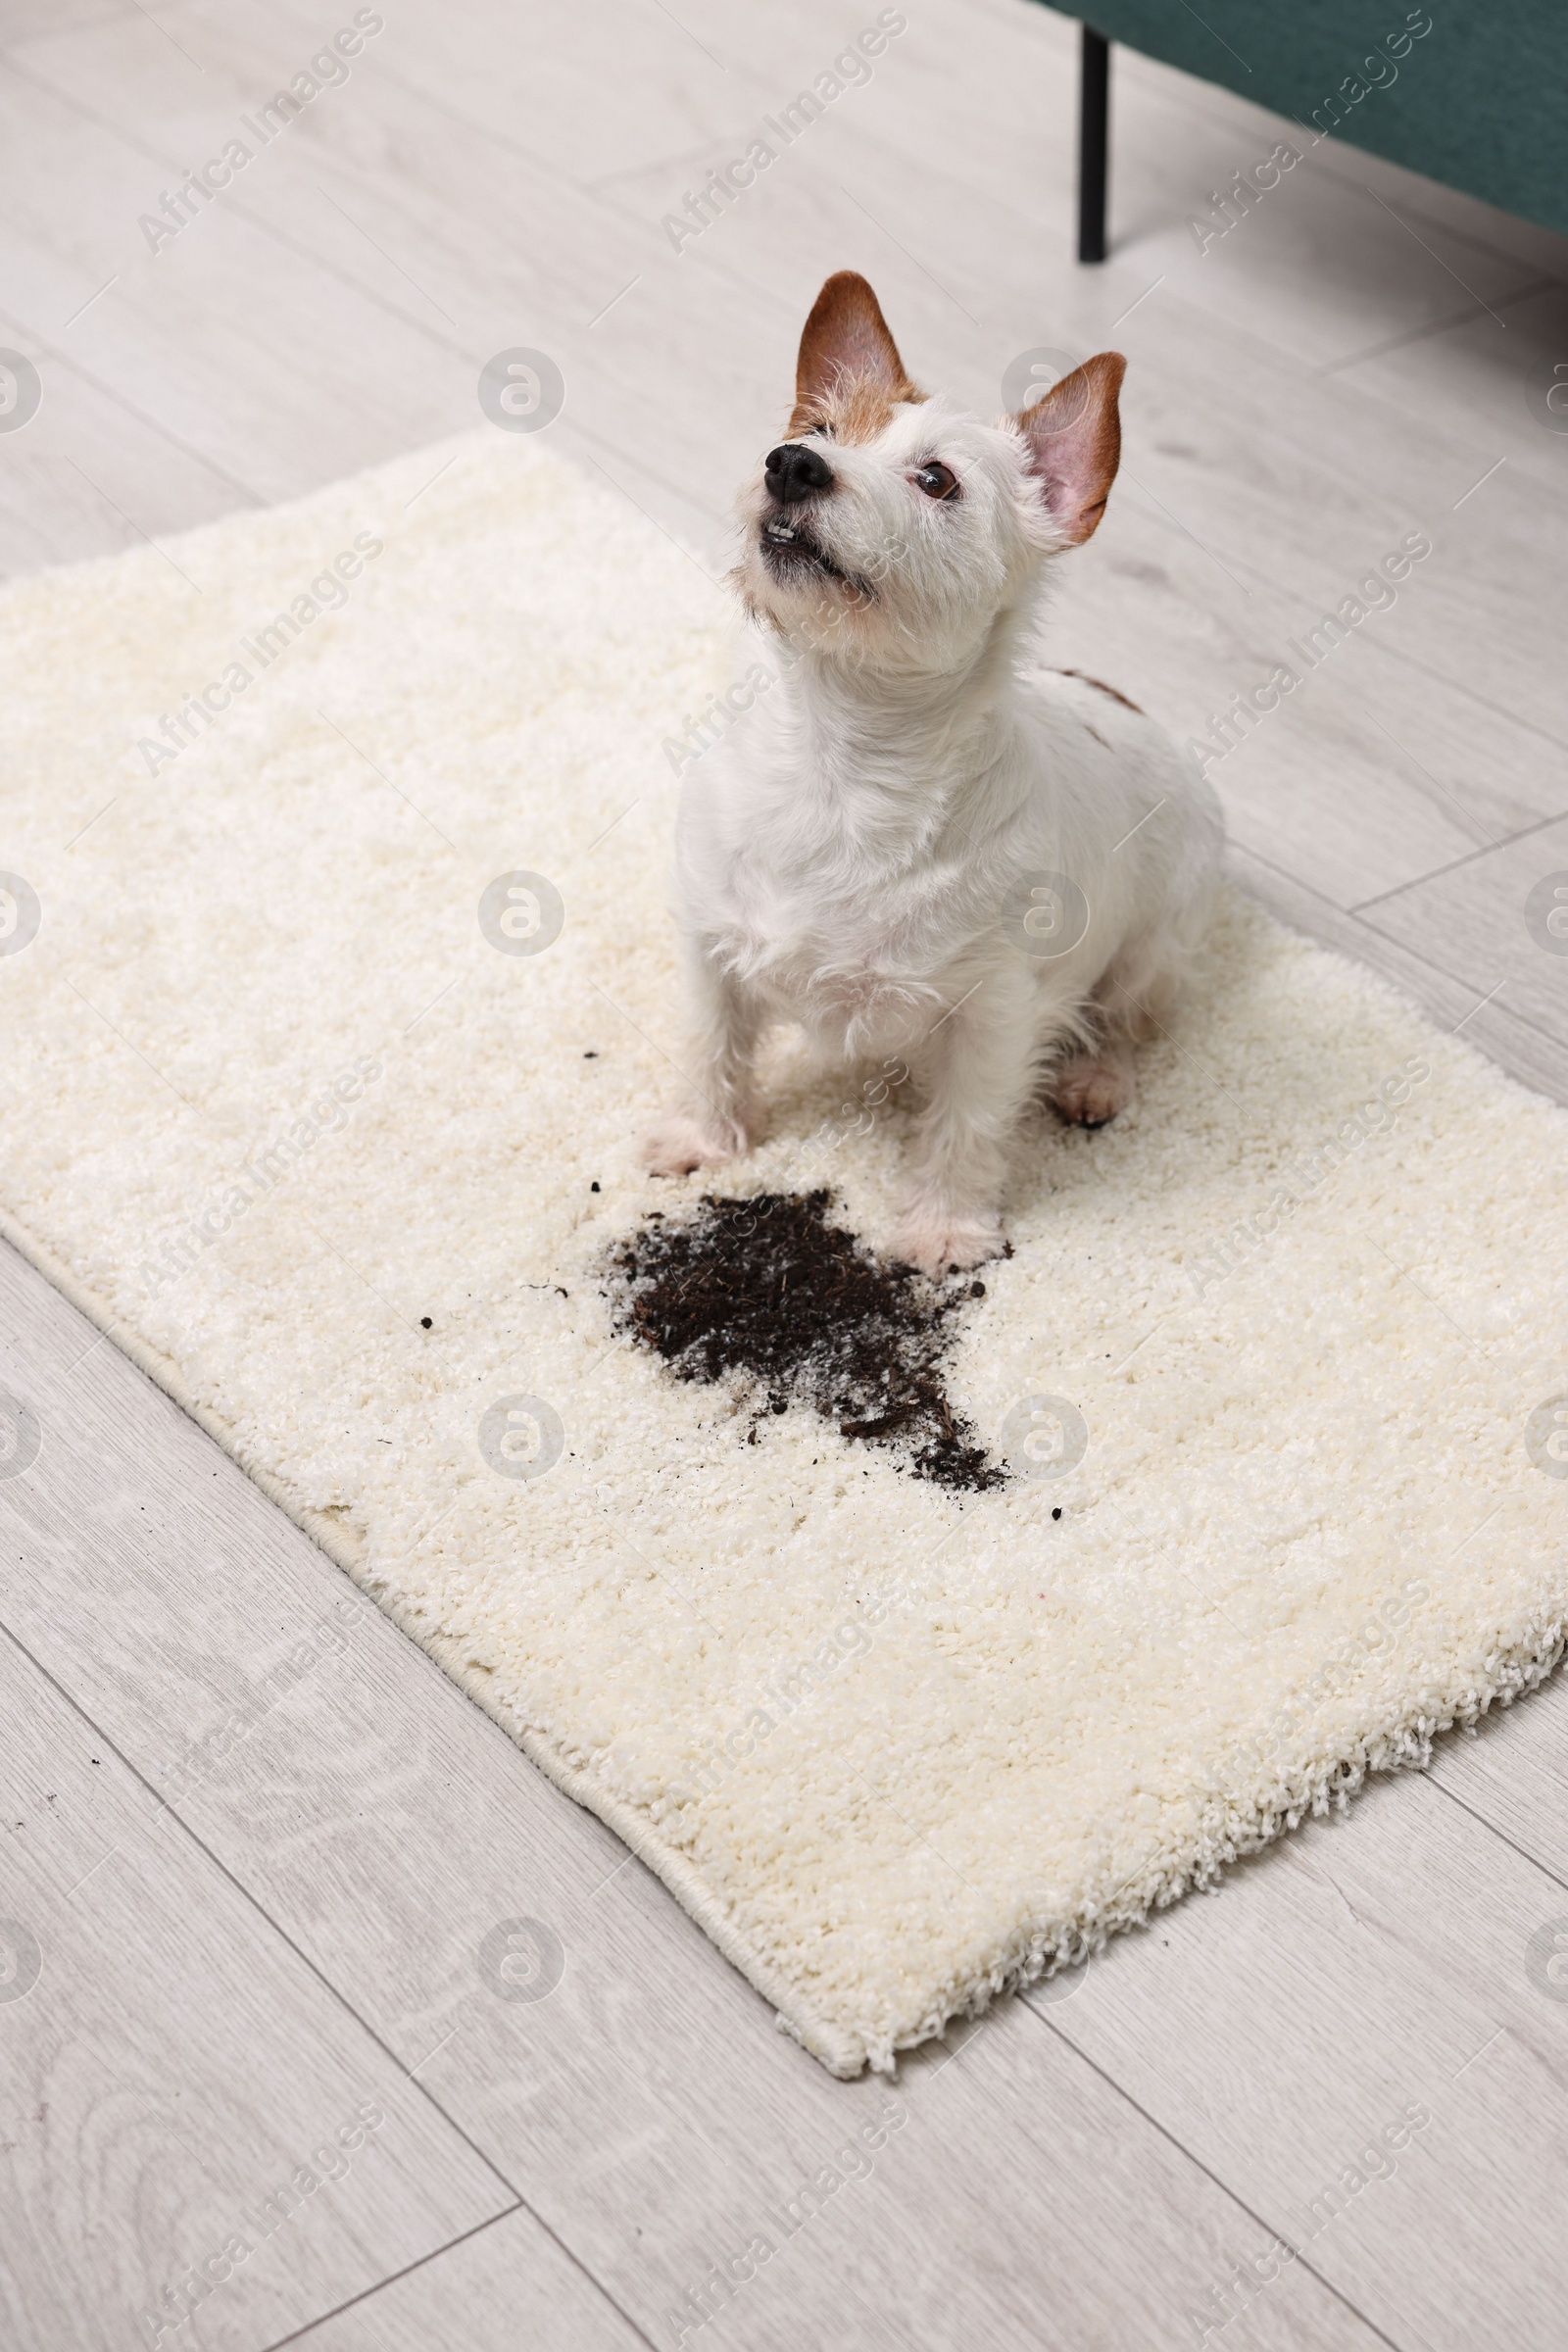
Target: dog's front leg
(714, 1118)
(977, 1069)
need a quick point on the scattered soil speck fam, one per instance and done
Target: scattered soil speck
(766, 1287)
(424, 1322)
(594, 1187)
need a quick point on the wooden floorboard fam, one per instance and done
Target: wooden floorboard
(1347, 366)
(171, 2065)
(1367, 1966)
(506, 2285)
(1484, 1014)
(647, 2108)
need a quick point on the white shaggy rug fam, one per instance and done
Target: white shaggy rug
(311, 1102)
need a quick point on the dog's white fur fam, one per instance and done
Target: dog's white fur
(855, 857)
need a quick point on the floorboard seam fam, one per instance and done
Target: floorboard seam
(298, 2335)
(1469, 859)
(1523, 1021)
(1522, 1851)
(321, 1976)
(366, 2293)
(1223, 2186)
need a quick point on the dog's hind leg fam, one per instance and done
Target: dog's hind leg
(1088, 1089)
(1130, 1004)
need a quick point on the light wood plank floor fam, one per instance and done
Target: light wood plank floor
(208, 1981)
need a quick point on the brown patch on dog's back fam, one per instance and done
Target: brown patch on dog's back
(1114, 692)
(848, 375)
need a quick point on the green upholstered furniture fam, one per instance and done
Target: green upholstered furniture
(1472, 94)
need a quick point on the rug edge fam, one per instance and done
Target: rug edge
(1235, 1834)
(844, 2054)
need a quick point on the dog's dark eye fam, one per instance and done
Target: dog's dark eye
(937, 480)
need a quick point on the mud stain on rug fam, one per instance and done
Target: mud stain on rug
(766, 1291)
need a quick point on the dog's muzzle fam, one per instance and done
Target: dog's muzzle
(795, 472)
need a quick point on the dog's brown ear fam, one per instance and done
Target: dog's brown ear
(846, 341)
(1074, 438)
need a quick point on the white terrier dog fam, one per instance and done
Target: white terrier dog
(922, 844)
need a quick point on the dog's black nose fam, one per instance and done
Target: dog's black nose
(794, 470)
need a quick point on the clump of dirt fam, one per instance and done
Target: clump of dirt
(765, 1289)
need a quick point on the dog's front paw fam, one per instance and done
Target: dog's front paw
(681, 1143)
(933, 1240)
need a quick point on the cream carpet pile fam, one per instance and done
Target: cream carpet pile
(330, 1033)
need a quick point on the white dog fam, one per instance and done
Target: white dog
(920, 843)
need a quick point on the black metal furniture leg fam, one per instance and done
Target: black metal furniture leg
(1093, 107)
